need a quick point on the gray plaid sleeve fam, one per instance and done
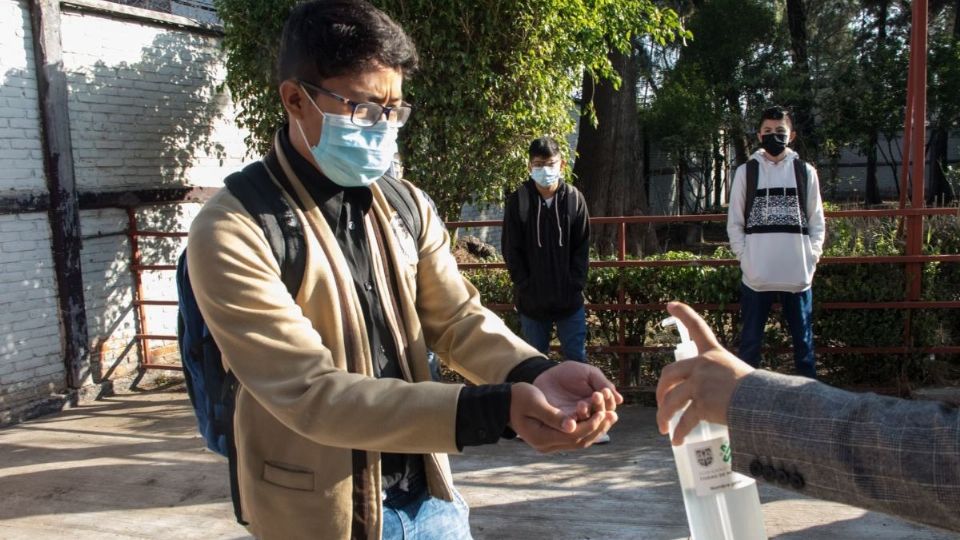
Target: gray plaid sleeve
(886, 454)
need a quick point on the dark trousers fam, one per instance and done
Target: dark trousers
(798, 313)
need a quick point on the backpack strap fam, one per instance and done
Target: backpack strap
(264, 200)
(230, 386)
(803, 184)
(401, 198)
(573, 194)
(753, 177)
(523, 203)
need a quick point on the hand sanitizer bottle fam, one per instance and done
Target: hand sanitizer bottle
(721, 504)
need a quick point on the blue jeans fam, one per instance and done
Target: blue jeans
(797, 311)
(571, 330)
(422, 517)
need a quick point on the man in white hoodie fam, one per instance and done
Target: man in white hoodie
(776, 229)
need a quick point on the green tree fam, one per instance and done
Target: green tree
(494, 75)
(713, 87)
(944, 106)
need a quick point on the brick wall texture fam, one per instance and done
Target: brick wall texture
(145, 112)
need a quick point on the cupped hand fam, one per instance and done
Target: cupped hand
(578, 389)
(547, 428)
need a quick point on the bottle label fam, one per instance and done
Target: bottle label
(711, 466)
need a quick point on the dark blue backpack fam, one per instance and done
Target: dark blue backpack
(211, 388)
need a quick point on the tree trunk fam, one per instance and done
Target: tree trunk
(681, 177)
(737, 135)
(941, 192)
(872, 187)
(718, 164)
(608, 170)
(956, 20)
(805, 143)
(646, 165)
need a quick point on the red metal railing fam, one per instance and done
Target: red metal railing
(912, 302)
(144, 337)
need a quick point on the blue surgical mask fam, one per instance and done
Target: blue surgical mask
(350, 155)
(546, 176)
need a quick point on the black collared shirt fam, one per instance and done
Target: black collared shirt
(482, 411)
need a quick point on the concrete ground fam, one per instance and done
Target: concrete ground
(131, 467)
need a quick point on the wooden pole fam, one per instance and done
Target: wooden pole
(64, 211)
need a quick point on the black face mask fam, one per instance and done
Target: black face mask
(774, 143)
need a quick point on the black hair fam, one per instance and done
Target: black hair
(776, 112)
(330, 38)
(544, 147)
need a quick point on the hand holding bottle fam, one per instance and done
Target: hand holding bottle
(707, 381)
(693, 395)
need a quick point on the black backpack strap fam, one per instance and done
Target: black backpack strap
(803, 184)
(264, 200)
(753, 177)
(230, 386)
(572, 198)
(401, 198)
(523, 203)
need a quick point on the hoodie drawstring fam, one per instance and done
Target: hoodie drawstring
(539, 204)
(556, 211)
(556, 208)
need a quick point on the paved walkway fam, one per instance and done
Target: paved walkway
(131, 467)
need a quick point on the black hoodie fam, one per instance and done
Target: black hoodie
(547, 256)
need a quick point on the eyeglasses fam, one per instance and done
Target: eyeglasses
(367, 114)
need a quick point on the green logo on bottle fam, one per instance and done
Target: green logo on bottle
(726, 452)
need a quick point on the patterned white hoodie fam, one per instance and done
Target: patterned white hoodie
(777, 245)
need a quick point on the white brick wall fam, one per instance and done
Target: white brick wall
(30, 364)
(144, 114)
(144, 110)
(21, 160)
(107, 292)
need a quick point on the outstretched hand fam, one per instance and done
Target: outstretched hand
(707, 382)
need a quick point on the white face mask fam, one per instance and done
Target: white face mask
(546, 176)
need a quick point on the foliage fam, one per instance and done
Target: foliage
(853, 85)
(251, 40)
(494, 75)
(869, 82)
(944, 69)
(693, 96)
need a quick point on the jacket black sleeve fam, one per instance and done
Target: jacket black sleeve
(483, 411)
(580, 243)
(511, 242)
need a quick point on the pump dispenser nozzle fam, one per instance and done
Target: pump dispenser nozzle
(686, 349)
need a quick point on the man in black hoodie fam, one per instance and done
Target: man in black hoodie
(545, 243)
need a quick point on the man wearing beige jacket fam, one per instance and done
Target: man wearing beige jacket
(340, 431)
